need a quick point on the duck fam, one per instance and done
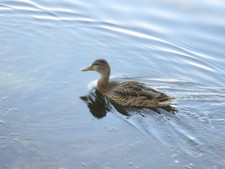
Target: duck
(128, 93)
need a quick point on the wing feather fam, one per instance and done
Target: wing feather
(134, 88)
(137, 94)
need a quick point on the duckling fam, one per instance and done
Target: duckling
(128, 93)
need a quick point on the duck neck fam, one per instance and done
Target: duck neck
(103, 82)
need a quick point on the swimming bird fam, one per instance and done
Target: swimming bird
(128, 93)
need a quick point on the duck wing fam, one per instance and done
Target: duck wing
(136, 94)
(134, 88)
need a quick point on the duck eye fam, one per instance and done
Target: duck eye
(96, 64)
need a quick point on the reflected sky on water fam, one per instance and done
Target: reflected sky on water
(50, 113)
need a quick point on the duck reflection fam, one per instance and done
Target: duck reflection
(99, 105)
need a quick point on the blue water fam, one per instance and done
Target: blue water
(175, 46)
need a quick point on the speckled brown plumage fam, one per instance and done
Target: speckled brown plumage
(127, 93)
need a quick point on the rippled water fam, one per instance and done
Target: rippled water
(50, 117)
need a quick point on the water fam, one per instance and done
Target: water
(175, 46)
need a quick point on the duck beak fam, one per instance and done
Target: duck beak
(87, 69)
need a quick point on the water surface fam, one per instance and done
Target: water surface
(177, 47)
